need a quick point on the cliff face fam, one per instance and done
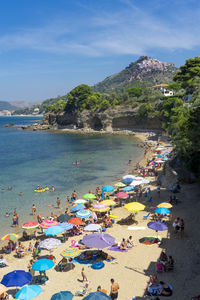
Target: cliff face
(110, 120)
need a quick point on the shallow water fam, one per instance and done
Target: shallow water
(29, 158)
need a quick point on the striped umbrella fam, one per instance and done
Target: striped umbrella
(70, 252)
(119, 184)
(10, 237)
(83, 213)
(48, 223)
(30, 225)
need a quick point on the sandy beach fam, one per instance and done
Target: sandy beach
(132, 269)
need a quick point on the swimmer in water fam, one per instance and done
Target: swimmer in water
(10, 188)
(53, 189)
(7, 214)
(20, 194)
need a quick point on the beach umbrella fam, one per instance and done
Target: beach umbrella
(162, 211)
(165, 158)
(30, 225)
(92, 227)
(54, 230)
(70, 252)
(63, 295)
(28, 292)
(83, 213)
(108, 188)
(159, 156)
(157, 226)
(77, 207)
(105, 209)
(81, 201)
(136, 182)
(66, 226)
(134, 206)
(119, 184)
(127, 181)
(64, 218)
(75, 221)
(2, 289)
(16, 278)
(128, 188)
(48, 223)
(10, 237)
(165, 204)
(98, 240)
(43, 264)
(108, 202)
(50, 243)
(97, 296)
(159, 161)
(89, 196)
(129, 176)
(99, 206)
(122, 195)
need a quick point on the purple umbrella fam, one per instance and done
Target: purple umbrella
(158, 226)
(98, 240)
(99, 206)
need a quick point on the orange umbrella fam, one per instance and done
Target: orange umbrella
(75, 221)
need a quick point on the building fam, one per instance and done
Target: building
(163, 88)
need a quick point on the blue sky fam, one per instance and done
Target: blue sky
(47, 47)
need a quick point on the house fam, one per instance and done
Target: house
(163, 88)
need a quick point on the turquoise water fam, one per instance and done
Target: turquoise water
(29, 158)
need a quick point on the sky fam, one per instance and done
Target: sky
(47, 47)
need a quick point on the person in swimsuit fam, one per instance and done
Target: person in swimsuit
(182, 227)
(114, 289)
(33, 209)
(74, 195)
(166, 290)
(14, 220)
(83, 275)
(58, 202)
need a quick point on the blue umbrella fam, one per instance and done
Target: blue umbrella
(158, 226)
(127, 180)
(43, 264)
(108, 188)
(54, 230)
(16, 278)
(162, 211)
(165, 158)
(66, 226)
(63, 295)
(28, 292)
(128, 188)
(97, 296)
(83, 213)
(77, 207)
(159, 155)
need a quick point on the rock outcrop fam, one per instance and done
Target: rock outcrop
(109, 120)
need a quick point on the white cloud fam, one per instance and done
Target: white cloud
(131, 30)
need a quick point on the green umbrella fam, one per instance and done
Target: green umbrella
(89, 196)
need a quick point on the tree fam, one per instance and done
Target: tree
(78, 97)
(134, 91)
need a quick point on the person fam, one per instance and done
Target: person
(123, 245)
(3, 260)
(29, 266)
(83, 275)
(176, 225)
(33, 209)
(68, 199)
(130, 242)
(166, 290)
(114, 289)
(163, 259)
(170, 264)
(74, 195)
(14, 221)
(10, 188)
(30, 247)
(99, 288)
(39, 218)
(53, 189)
(7, 214)
(58, 202)
(20, 194)
(182, 227)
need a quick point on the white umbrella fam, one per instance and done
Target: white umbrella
(92, 227)
(81, 201)
(136, 182)
(128, 176)
(50, 244)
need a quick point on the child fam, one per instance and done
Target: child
(83, 275)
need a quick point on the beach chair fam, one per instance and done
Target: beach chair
(146, 217)
(83, 291)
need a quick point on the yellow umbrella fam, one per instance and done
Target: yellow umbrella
(165, 205)
(100, 209)
(108, 202)
(134, 206)
(9, 237)
(119, 184)
(70, 252)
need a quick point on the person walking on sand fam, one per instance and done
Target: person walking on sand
(33, 210)
(58, 202)
(83, 275)
(114, 289)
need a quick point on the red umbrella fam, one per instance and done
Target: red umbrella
(75, 221)
(30, 225)
(122, 195)
(48, 223)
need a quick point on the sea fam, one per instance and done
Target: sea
(31, 158)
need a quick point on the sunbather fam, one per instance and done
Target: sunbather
(123, 245)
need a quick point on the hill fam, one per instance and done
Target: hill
(145, 71)
(4, 105)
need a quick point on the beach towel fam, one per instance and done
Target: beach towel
(117, 248)
(136, 228)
